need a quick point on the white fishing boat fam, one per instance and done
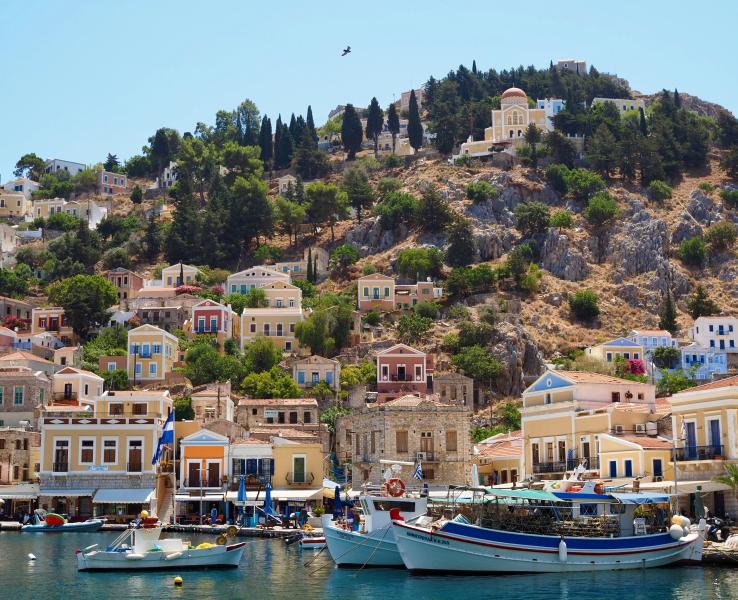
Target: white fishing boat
(373, 545)
(143, 548)
(537, 531)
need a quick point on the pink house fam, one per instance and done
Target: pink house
(401, 370)
(209, 316)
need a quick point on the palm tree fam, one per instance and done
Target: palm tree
(729, 478)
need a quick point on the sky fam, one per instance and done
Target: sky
(86, 77)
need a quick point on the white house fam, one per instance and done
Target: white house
(650, 339)
(716, 332)
(22, 185)
(622, 104)
(255, 277)
(706, 362)
(53, 165)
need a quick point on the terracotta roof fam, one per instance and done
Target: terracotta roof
(506, 449)
(278, 402)
(587, 377)
(245, 441)
(283, 432)
(21, 355)
(714, 385)
(500, 437)
(513, 92)
(652, 332)
(648, 442)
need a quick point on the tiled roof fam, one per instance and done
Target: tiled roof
(506, 449)
(648, 442)
(661, 332)
(587, 377)
(21, 355)
(278, 402)
(714, 385)
(620, 342)
(499, 437)
(245, 441)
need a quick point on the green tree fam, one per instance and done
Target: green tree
(397, 208)
(351, 134)
(327, 204)
(560, 149)
(672, 382)
(701, 305)
(343, 257)
(309, 161)
(358, 189)
(461, 247)
(557, 176)
(255, 298)
(136, 194)
(477, 362)
(668, 316)
(85, 300)
(310, 124)
(582, 184)
(693, 252)
(720, 236)
(729, 478)
(374, 123)
(427, 309)
(532, 137)
(729, 198)
(111, 163)
(531, 218)
(285, 149)
(290, 216)
(152, 240)
(12, 285)
(419, 263)
(85, 182)
(665, 357)
(330, 416)
(412, 328)
(414, 126)
(266, 152)
(261, 354)
(393, 124)
(274, 383)
(184, 233)
(659, 191)
(600, 213)
(433, 210)
(160, 152)
(30, 166)
(116, 380)
(601, 151)
(562, 219)
(183, 410)
(729, 162)
(584, 304)
(481, 191)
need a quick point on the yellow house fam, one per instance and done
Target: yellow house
(102, 457)
(179, 274)
(705, 424)
(72, 385)
(46, 207)
(281, 294)
(152, 353)
(499, 458)
(277, 324)
(609, 351)
(565, 414)
(636, 456)
(297, 464)
(14, 205)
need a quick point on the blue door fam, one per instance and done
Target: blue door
(658, 467)
(715, 436)
(691, 442)
(613, 468)
(629, 468)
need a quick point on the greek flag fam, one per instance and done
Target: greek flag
(684, 429)
(167, 437)
(418, 471)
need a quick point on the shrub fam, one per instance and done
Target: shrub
(372, 318)
(427, 309)
(481, 191)
(659, 191)
(729, 198)
(368, 269)
(563, 219)
(458, 312)
(450, 342)
(532, 279)
(344, 256)
(392, 161)
(62, 222)
(136, 194)
(601, 209)
(556, 176)
(412, 328)
(396, 208)
(388, 184)
(584, 304)
(692, 252)
(706, 187)
(464, 161)
(531, 218)
(582, 184)
(420, 262)
(701, 305)
(720, 236)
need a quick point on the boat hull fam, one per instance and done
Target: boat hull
(461, 548)
(312, 543)
(216, 557)
(352, 549)
(91, 525)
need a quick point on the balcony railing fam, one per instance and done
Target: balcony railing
(66, 396)
(559, 466)
(294, 478)
(699, 453)
(209, 483)
(252, 482)
(427, 457)
(61, 467)
(403, 378)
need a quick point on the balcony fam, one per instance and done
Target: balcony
(66, 397)
(61, 467)
(427, 457)
(560, 466)
(210, 483)
(714, 452)
(300, 478)
(252, 482)
(402, 379)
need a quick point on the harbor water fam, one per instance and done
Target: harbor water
(272, 570)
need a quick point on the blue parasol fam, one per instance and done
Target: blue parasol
(241, 499)
(337, 506)
(268, 500)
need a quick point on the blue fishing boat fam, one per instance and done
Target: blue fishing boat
(44, 522)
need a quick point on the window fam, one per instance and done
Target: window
(18, 394)
(401, 441)
(293, 416)
(111, 366)
(626, 355)
(253, 328)
(87, 452)
(609, 357)
(451, 444)
(139, 408)
(2, 394)
(152, 369)
(307, 417)
(280, 417)
(110, 451)
(547, 400)
(298, 469)
(366, 292)
(116, 409)
(616, 396)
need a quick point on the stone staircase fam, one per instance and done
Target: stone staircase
(165, 508)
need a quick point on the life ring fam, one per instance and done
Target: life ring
(599, 488)
(395, 487)
(575, 488)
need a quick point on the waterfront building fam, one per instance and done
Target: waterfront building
(499, 458)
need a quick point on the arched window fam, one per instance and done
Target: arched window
(512, 133)
(520, 133)
(509, 120)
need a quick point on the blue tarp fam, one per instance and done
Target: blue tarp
(641, 498)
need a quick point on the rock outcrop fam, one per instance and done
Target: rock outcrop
(703, 208)
(369, 237)
(561, 259)
(640, 246)
(520, 357)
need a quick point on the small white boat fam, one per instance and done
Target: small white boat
(374, 544)
(148, 550)
(312, 542)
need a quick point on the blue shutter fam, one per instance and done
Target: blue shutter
(251, 466)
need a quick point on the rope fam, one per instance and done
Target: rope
(373, 551)
(387, 527)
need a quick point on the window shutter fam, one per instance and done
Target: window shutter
(251, 466)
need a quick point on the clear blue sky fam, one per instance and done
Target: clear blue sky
(83, 78)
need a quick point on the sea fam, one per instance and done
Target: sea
(272, 570)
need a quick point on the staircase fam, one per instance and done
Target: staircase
(165, 508)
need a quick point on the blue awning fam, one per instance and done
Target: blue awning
(641, 498)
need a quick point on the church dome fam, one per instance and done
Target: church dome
(514, 92)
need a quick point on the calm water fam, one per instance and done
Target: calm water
(270, 569)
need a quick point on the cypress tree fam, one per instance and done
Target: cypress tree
(668, 317)
(643, 124)
(374, 123)
(309, 275)
(414, 127)
(277, 136)
(311, 124)
(677, 99)
(265, 141)
(474, 67)
(351, 134)
(300, 127)
(293, 127)
(238, 134)
(393, 124)
(285, 149)
(215, 219)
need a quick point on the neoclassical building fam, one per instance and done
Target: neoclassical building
(508, 124)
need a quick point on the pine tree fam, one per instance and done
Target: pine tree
(152, 240)
(374, 123)
(183, 238)
(111, 162)
(311, 124)
(214, 224)
(265, 142)
(474, 67)
(414, 126)
(309, 275)
(642, 121)
(602, 150)
(360, 192)
(668, 317)
(285, 149)
(393, 124)
(701, 305)
(351, 134)
(277, 136)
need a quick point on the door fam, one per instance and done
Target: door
(715, 439)
(135, 448)
(61, 456)
(691, 442)
(67, 391)
(629, 468)
(658, 467)
(298, 466)
(193, 475)
(213, 325)
(400, 372)
(535, 454)
(613, 468)
(719, 508)
(426, 442)
(213, 475)
(585, 451)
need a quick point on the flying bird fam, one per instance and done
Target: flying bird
(346, 50)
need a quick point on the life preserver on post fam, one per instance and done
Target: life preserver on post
(395, 487)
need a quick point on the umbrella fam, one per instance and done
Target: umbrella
(474, 475)
(337, 507)
(699, 507)
(241, 495)
(268, 499)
